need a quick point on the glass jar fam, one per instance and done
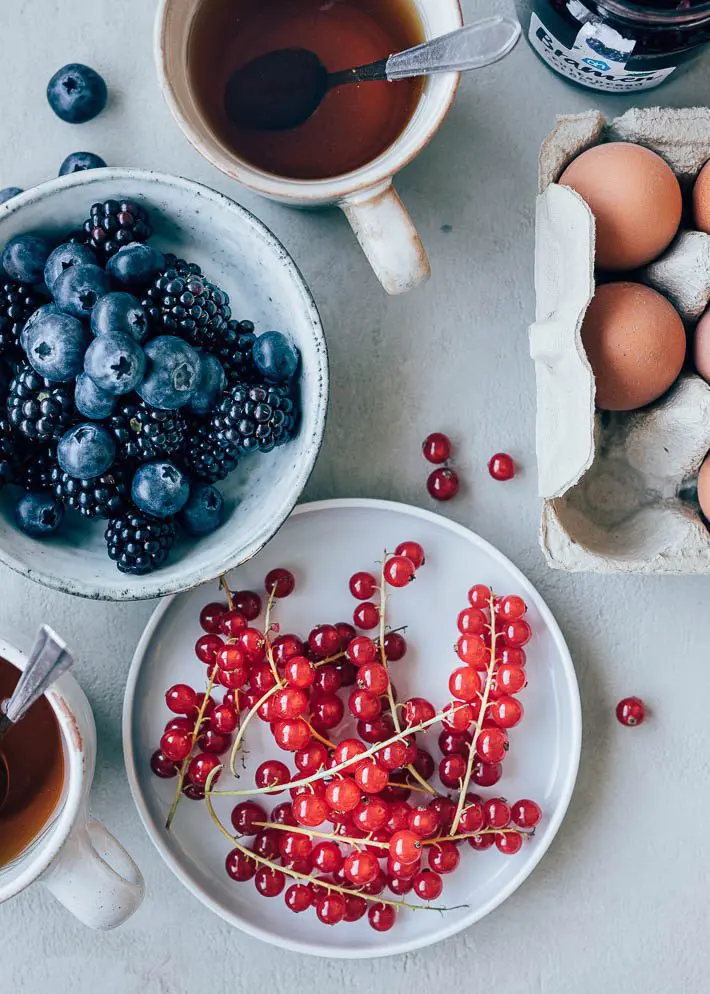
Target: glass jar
(615, 45)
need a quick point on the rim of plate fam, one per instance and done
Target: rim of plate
(388, 948)
(190, 576)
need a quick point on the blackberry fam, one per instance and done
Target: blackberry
(204, 458)
(17, 303)
(182, 302)
(39, 410)
(102, 497)
(35, 475)
(234, 350)
(252, 418)
(145, 433)
(9, 457)
(113, 224)
(137, 544)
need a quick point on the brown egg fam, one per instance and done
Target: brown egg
(701, 199)
(635, 199)
(701, 346)
(635, 342)
(704, 488)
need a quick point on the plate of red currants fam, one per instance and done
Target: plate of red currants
(360, 742)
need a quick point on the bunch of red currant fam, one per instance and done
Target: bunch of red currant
(350, 829)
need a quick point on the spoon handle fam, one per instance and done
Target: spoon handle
(479, 44)
(48, 660)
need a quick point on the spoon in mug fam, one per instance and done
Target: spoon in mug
(282, 89)
(48, 660)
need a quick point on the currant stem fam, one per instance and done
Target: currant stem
(473, 835)
(320, 738)
(267, 628)
(243, 727)
(225, 587)
(312, 833)
(186, 760)
(479, 723)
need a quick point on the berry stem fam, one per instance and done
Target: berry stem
(313, 834)
(385, 662)
(267, 630)
(320, 738)
(186, 760)
(479, 723)
(228, 593)
(243, 727)
(473, 835)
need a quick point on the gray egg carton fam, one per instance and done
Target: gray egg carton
(619, 492)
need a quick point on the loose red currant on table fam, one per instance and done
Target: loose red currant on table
(232, 623)
(399, 571)
(506, 712)
(210, 617)
(501, 467)
(200, 768)
(480, 596)
(436, 447)
(162, 766)
(452, 770)
(395, 646)
(366, 616)
(239, 866)
(311, 758)
(327, 711)
(630, 711)
(176, 745)
(486, 774)
(269, 882)
(412, 551)
(381, 917)
(300, 672)
(443, 484)
(207, 647)
(526, 814)
(298, 897)
(292, 734)
(363, 586)
(324, 641)
(280, 582)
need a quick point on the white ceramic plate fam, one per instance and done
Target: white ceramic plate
(240, 254)
(324, 543)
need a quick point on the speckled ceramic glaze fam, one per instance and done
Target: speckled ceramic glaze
(240, 254)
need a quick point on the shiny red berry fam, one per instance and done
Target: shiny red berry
(181, 699)
(362, 586)
(630, 711)
(443, 484)
(399, 571)
(292, 734)
(248, 602)
(162, 766)
(280, 582)
(298, 897)
(239, 866)
(412, 551)
(210, 616)
(395, 646)
(436, 447)
(501, 467)
(268, 882)
(366, 616)
(526, 814)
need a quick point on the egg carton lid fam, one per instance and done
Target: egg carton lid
(571, 436)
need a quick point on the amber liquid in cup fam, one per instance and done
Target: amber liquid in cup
(354, 124)
(35, 760)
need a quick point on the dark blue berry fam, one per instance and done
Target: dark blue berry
(40, 313)
(203, 512)
(63, 258)
(25, 256)
(76, 93)
(275, 357)
(56, 344)
(8, 192)
(91, 400)
(211, 383)
(38, 515)
(135, 265)
(172, 373)
(78, 290)
(79, 162)
(116, 363)
(119, 312)
(160, 489)
(86, 451)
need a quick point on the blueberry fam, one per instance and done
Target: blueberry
(38, 515)
(203, 512)
(172, 373)
(76, 93)
(160, 489)
(116, 363)
(25, 256)
(78, 289)
(38, 315)
(64, 258)
(211, 382)
(79, 162)
(135, 265)
(119, 312)
(275, 357)
(91, 400)
(86, 451)
(56, 344)
(8, 192)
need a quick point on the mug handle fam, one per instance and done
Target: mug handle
(95, 878)
(388, 238)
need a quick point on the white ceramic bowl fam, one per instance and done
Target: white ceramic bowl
(323, 544)
(241, 255)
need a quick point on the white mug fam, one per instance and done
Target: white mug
(74, 856)
(366, 195)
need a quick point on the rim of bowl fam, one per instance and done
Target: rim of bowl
(151, 586)
(389, 947)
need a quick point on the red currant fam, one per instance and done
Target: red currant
(371, 814)
(373, 677)
(482, 842)
(511, 655)
(526, 814)
(309, 810)
(206, 706)
(248, 603)
(417, 710)
(355, 908)
(239, 866)
(405, 846)
(412, 551)
(510, 679)
(424, 764)
(517, 633)
(436, 447)
(292, 734)
(452, 770)
(451, 743)
(496, 812)
(376, 731)
(300, 672)
(473, 818)
(326, 857)
(370, 777)
(272, 773)
(331, 908)
(630, 711)
(200, 768)
(181, 699)
(492, 745)
(399, 571)
(486, 774)
(395, 646)
(509, 843)
(443, 484)
(480, 596)
(286, 647)
(364, 705)
(268, 882)
(342, 795)
(363, 586)
(361, 650)
(361, 868)
(324, 641)
(162, 766)
(282, 814)
(266, 843)
(327, 711)
(214, 742)
(253, 643)
(328, 679)
(399, 885)
(428, 885)
(399, 817)
(311, 758)
(280, 582)
(298, 897)
(405, 871)
(210, 616)
(207, 647)
(446, 809)
(465, 683)
(512, 608)
(393, 756)
(247, 816)
(232, 623)
(424, 822)
(472, 621)
(346, 631)
(472, 650)
(290, 703)
(231, 679)
(507, 712)
(458, 717)
(176, 745)
(366, 616)
(501, 467)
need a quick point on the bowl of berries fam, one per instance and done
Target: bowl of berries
(163, 384)
(361, 741)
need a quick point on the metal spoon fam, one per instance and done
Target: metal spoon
(48, 660)
(282, 89)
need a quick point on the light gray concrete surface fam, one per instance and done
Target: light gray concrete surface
(620, 903)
